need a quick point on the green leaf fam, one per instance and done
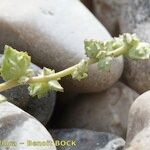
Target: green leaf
(40, 89)
(105, 63)
(81, 71)
(142, 51)
(92, 48)
(55, 86)
(15, 64)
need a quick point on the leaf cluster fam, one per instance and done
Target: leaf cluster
(127, 44)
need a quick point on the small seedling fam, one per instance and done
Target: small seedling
(15, 65)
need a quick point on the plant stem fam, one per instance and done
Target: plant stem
(54, 76)
(117, 52)
(8, 85)
(13, 83)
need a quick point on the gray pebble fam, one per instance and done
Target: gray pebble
(138, 133)
(21, 129)
(88, 140)
(108, 12)
(135, 18)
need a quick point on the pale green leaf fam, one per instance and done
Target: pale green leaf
(55, 86)
(40, 89)
(15, 64)
(92, 48)
(142, 51)
(81, 71)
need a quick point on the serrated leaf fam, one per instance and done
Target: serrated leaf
(40, 89)
(130, 40)
(55, 86)
(15, 64)
(81, 71)
(47, 71)
(92, 48)
(105, 63)
(142, 51)
(117, 42)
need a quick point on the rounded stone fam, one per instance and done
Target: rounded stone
(87, 140)
(54, 37)
(136, 74)
(138, 131)
(135, 19)
(104, 112)
(20, 130)
(108, 12)
(41, 108)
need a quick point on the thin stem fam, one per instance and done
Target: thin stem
(117, 52)
(54, 76)
(8, 85)
(57, 75)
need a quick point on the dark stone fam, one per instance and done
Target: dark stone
(88, 140)
(103, 112)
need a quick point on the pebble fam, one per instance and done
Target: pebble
(87, 140)
(108, 12)
(54, 37)
(138, 132)
(21, 131)
(135, 18)
(104, 112)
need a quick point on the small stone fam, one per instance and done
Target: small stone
(104, 112)
(19, 130)
(138, 132)
(87, 140)
(41, 108)
(54, 37)
(136, 74)
(108, 12)
(135, 18)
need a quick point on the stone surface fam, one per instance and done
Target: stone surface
(104, 112)
(18, 127)
(40, 108)
(88, 140)
(108, 12)
(54, 37)
(135, 18)
(136, 74)
(138, 133)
